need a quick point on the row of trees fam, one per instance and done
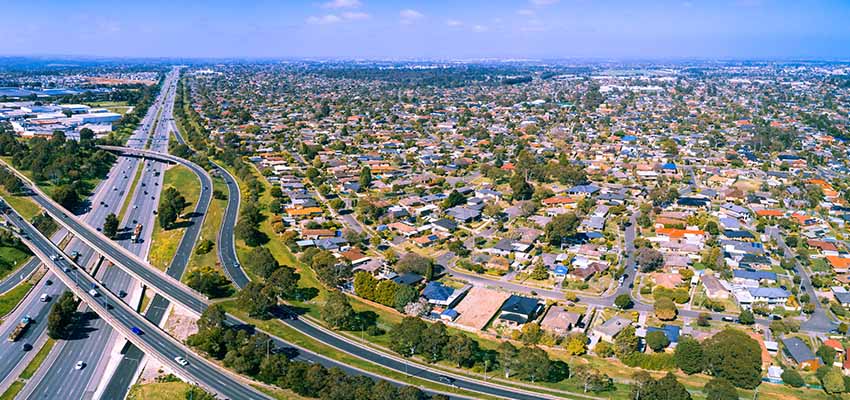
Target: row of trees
(330, 271)
(255, 355)
(210, 282)
(385, 292)
(415, 337)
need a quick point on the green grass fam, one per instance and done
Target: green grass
(158, 391)
(164, 242)
(10, 299)
(10, 259)
(12, 391)
(209, 230)
(38, 359)
(22, 204)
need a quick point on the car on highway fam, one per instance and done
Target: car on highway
(446, 380)
(182, 361)
(93, 292)
(79, 365)
(122, 294)
(26, 347)
(44, 298)
(136, 330)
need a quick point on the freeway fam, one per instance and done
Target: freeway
(19, 275)
(99, 335)
(156, 342)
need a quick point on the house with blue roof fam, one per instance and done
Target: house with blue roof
(586, 190)
(671, 331)
(439, 294)
(751, 278)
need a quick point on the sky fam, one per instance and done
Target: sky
(435, 29)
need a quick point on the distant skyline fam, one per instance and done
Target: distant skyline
(439, 29)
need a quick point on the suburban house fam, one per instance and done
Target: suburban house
(800, 353)
(518, 310)
(559, 321)
(611, 328)
(441, 295)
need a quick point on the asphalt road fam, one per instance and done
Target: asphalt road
(118, 313)
(94, 345)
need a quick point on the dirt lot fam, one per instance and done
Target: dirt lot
(479, 306)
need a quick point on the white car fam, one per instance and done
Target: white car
(182, 361)
(93, 293)
(79, 365)
(44, 297)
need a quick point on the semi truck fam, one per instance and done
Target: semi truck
(20, 328)
(137, 233)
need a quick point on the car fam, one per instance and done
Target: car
(66, 269)
(182, 361)
(48, 282)
(446, 380)
(146, 192)
(728, 319)
(93, 293)
(26, 347)
(79, 365)
(122, 294)
(776, 317)
(153, 197)
(236, 264)
(44, 298)
(136, 330)
(135, 206)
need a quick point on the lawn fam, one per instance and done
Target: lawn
(164, 242)
(38, 359)
(10, 299)
(158, 391)
(212, 223)
(22, 204)
(12, 391)
(10, 259)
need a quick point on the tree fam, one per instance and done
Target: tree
(746, 317)
(507, 357)
(261, 262)
(454, 198)
(404, 295)
(665, 309)
(532, 364)
(338, 312)
(826, 353)
(412, 262)
(626, 342)
(689, 355)
(406, 337)
(657, 340)
(733, 355)
(833, 381)
(649, 259)
(792, 378)
(67, 196)
(576, 344)
(603, 349)
(110, 226)
(666, 388)
(461, 349)
(364, 285)
(257, 299)
(540, 272)
(623, 301)
(209, 282)
(434, 342)
(720, 389)
(522, 190)
(284, 282)
(365, 178)
(167, 216)
(61, 318)
(561, 227)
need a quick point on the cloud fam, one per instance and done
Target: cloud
(479, 28)
(342, 4)
(525, 12)
(408, 16)
(324, 19)
(540, 3)
(354, 15)
(453, 22)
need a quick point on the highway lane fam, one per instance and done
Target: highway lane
(19, 275)
(100, 336)
(154, 340)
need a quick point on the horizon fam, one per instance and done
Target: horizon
(434, 31)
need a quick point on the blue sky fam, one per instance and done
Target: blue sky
(429, 29)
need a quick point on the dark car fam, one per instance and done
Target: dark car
(26, 347)
(136, 330)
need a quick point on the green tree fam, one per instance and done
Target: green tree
(665, 309)
(507, 357)
(434, 342)
(284, 282)
(833, 381)
(626, 342)
(406, 337)
(689, 355)
(657, 340)
(826, 353)
(364, 285)
(746, 317)
(539, 272)
(623, 301)
(365, 178)
(110, 226)
(733, 355)
(561, 227)
(257, 299)
(338, 312)
(412, 262)
(461, 350)
(261, 262)
(522, 190)
(454, 199)
(649, 259)
(720, 389)
(792, 378)
(666, 388)
(61, 318)
(404, 295)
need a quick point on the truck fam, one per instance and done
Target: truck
(20, 328)
(137, 233)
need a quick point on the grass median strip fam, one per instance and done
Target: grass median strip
(12, 391)
(130, 191)
(209, 231)
(11, 299)
(164, 242)
(38, 359)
